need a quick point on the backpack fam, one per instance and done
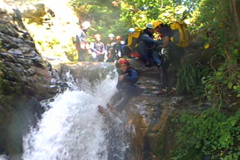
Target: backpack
(133, 37)
(180, 34)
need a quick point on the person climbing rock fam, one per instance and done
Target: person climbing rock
(126, 86)
(97, 49)
(172, 56)
(145, 44)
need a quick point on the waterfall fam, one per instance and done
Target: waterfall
(3, 157)
(73, 129)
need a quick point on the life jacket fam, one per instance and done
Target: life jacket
(99, 46)
(133, 37)
(110, 46)
(118, 49)
(180, 34)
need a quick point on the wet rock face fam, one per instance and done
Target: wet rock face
(22, 68)
(150, 116)
(25, 79)
(86, 74)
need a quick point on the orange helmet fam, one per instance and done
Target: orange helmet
(123, 61)
(118, 38)
(97, 35)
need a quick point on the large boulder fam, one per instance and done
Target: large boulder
(25, 80)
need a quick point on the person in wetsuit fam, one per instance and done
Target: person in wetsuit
(126, 86)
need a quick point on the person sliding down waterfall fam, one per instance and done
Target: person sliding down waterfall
(126, 86)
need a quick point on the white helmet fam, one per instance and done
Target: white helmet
(149, 25)
(86, 25)
(111, 35)
(131, 30)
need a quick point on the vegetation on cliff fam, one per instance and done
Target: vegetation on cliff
(210, 69)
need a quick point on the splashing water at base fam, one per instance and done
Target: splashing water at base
(3, 157)
(72, 129)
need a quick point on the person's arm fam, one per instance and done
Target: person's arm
(103, 49)
(133, 78)
(166, 32)
(165, 40)
(92, 48)
(126, 41)
(148, 39)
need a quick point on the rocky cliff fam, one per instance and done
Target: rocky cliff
(25, 79)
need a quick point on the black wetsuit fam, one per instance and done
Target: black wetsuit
(174, 55)
(127, 89)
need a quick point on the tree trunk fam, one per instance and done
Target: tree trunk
(235, 10)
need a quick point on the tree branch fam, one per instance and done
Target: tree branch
(235, 17)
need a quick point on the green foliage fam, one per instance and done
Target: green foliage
(71, 52)
(137, 13)
(223, 83)
(103, 15)
(215, 22)
(35, 15)
(189, 79)
(211, 133)
(117, 16)
(211, 21)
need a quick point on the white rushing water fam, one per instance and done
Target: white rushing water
(3, 157)
(72, 128)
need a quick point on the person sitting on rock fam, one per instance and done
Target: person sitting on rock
(126, 86)
(145, 44)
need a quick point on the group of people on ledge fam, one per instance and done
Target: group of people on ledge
(98, 51)
(143, 44)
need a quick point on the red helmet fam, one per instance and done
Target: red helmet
(97, 35)
(123, 61)
(118, 38)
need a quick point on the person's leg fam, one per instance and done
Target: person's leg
(116, 97)
(128, 92)
(122, 104)
(176, 53)
(176, 63)
(144, 52)
(94, 58)
(165, 65)
(102, 57)
(79, 55)
(126, 51)
(156, 58)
